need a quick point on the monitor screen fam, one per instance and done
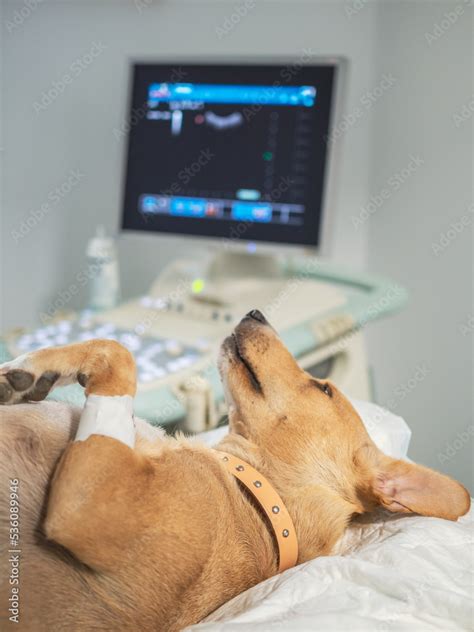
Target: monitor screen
(229, 151)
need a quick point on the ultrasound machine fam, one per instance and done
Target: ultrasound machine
(241, 157)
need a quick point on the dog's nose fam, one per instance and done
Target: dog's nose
(256, 314)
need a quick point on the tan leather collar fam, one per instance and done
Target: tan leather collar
(272, 505)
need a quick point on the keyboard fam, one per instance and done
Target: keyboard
(156, 358)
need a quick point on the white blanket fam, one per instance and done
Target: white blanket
(390, 573)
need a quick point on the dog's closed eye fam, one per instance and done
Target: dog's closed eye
(325, 388)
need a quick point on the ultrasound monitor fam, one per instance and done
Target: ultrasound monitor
(230, 151)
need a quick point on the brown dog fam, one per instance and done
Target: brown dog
(157, 537)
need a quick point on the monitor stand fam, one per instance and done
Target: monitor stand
(238, 264)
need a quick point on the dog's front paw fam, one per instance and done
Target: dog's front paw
(21, 385)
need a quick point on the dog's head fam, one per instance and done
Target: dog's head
(311, 440)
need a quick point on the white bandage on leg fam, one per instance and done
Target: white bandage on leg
(108, 416)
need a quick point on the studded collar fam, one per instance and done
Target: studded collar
(272, 505)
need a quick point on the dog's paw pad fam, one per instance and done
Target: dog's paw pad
(6, 392)
(19, 380)
(42, 387)
(17, 385)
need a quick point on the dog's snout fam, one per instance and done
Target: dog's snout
(256, 314)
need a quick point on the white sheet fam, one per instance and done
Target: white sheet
(392, 574)
(389, 574)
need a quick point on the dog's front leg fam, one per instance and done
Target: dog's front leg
(96, 498)
(98, 502)
(104, 367)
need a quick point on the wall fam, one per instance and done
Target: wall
(422, 234)
(76, 130)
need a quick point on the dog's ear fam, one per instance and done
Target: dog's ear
(409, 488)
